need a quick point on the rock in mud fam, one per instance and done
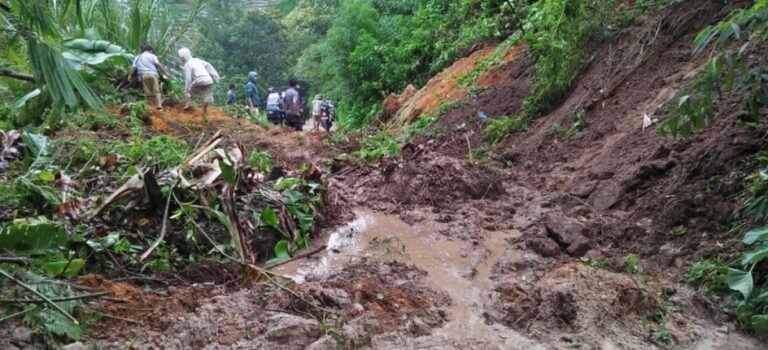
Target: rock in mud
(568, 233)
(292, 331)
(21, 335)
(324, 343)
(331, 296)
(75, 346)
(583, 189)
(544, 247)
(607, 194)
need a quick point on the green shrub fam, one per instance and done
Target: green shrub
(497, 129)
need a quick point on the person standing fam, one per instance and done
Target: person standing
(316, 110)
(231, 97)
(291, 105)
(252, 93)
(199, 77)
(146, 66)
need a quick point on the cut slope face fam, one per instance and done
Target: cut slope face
(455, 85)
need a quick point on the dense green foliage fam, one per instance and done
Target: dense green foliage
(237, 41)
(734, 69)
(738, 67)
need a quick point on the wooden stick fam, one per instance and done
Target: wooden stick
(45, 298)
(297, 257)
(40, 301)
(14, 260)
(163, 229)
(6, 318)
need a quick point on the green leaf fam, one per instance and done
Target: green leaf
(756, 234)
(755, 256)
(57, 268)
(281, 249)
(284, 184)
(47, 176)
(703, 39)
(34, 236)
(740, 281)
(269, 218)
(132, 171)
(37, 144)
(282, 253)
(58, 324)
(228, 172)
(760, 324)
(23, 101)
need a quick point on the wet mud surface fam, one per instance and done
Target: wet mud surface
(521, 250)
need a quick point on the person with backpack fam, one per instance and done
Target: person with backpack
(146, 66)
(252, 93)
(199, 77)
(291, 106)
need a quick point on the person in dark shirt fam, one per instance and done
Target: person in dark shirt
(231, 97)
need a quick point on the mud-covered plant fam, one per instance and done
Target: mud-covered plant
(377, 146)
(559, 131)
(756, 205)
(632, 264)
(578, 123)
(417, 127)
(497, 129)
(447, 106)
(260, 160)
(751, 282)
(738, 66)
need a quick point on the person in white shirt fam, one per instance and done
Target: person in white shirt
(145, 66)
(199, 77)
(316, 105)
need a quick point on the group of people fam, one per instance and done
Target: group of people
(199, 78)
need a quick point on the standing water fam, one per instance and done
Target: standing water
(374, 236)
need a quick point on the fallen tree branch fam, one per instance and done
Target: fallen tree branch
(297, 257)
(16, 75)
(163, 229)
(40, 295)
(40, 301)
(14, 260)
(264, 272)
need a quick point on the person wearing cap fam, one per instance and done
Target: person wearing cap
(252, 93)
(199, 77)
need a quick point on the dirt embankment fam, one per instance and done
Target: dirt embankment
(610, 190)
(622, 187)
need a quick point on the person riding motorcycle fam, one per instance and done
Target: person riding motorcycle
(327, 114)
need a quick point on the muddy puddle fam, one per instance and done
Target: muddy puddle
(459, 268)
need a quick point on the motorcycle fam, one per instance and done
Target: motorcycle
(327, 115)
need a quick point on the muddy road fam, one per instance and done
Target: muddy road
(426, 253)
(542, 243)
